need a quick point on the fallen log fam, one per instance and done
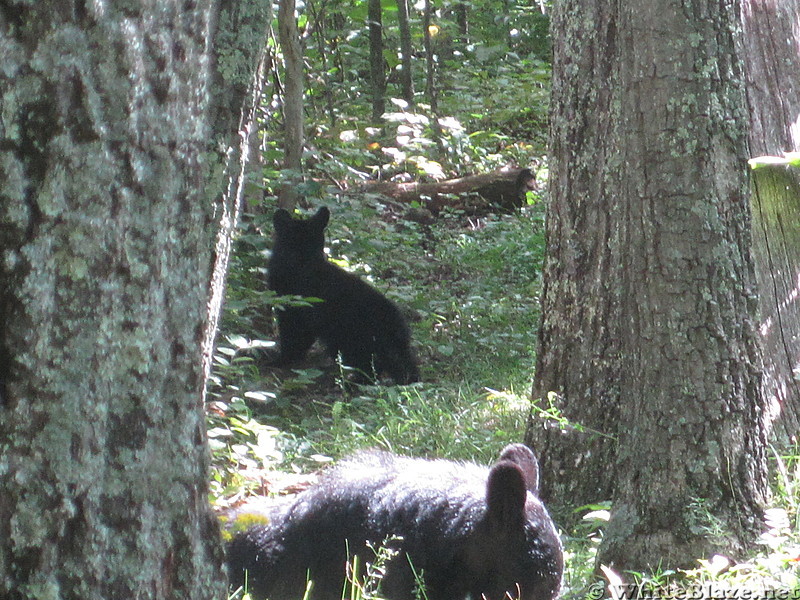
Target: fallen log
(505, 188)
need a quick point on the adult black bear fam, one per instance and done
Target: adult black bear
(470, 531)
(353, 320)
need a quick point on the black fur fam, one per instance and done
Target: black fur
(354, 319)
(473, 532)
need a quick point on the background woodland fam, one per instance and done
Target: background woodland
(557, 194)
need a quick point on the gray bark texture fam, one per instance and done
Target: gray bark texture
(106, 245)
(772, 62)
(240, 51)
(648, 338)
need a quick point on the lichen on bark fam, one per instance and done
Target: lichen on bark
(103, 460)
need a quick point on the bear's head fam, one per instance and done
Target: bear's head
(301, 237)
(516, 551)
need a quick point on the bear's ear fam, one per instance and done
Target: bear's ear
(322, 217)
(525, 459)
(506, 494)
(281, 218)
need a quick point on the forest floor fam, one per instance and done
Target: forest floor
(469, 285)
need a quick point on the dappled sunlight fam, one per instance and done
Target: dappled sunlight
(785, 305)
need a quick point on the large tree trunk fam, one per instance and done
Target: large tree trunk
(579, 337)
(648, 334)
(106, 256)
(240, 51)
(771, 39)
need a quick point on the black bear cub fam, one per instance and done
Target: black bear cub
(353, 320)
(467, 531)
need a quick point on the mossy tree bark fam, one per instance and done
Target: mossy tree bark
(648, 335)
(240, 54)
(578, 360)
(106, 253)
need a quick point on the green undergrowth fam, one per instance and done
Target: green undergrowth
(470, 287)
(769, 571)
